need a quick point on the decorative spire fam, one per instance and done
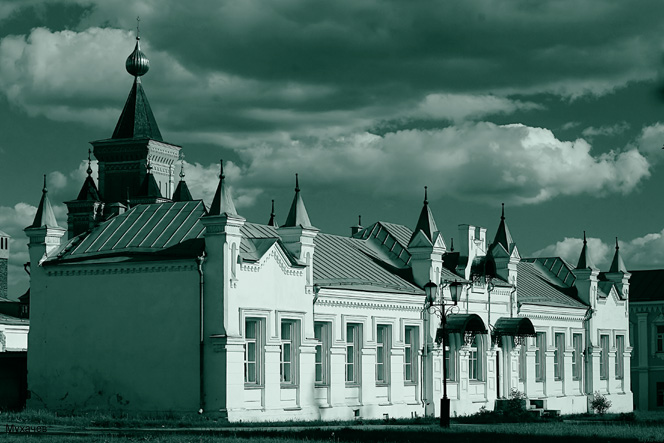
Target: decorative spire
(89, 170)
(44, 218)
(222, 203)
(617, 265)
(359, 220)
(273, 220)
(181, 170)
(425, 222)
(503, 236)
(584, 259)
(451, 244)
(297, 216)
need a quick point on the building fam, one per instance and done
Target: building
(646, 313)
(14, 326)
(162, 304)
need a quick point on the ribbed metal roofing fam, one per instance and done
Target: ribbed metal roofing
(352, 263)
(538, 286)
(144, 228)
(646, 285)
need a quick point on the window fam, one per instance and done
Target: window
(410, 355)
(577, 356)
(352, 353)
(288, 356)
(660, 393)
(660, 338)
(382, 354)
(604, 357)
(540, 348)
(620, 357)
(252, 351)
(322, 334)
(474, 363)
(558, 355)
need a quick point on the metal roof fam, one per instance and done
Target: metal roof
(144, 228)
(538, 286)
(646, 285)
(137, 120)
(356, 264)
(11, 320)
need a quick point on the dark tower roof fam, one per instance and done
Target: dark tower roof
(222, 203)
(44, 216)
(584, 259)
(503, 236)
(89, 191)
(297, 215)
(182, 193)
(425, 222)
(617, 265)
(149, 188)
(137, 120)
(273, 219)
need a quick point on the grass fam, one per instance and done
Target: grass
(583, 428)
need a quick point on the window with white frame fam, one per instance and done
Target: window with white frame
(540, 348)
(253, 349)
(558, 355)
(322, 362)
(475, 359)
(353, 340)
(288, 352)
(620, 356)
(382, 354)
(410, 355)
(604, 357)
(577, 356)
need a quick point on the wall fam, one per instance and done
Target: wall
(125, 338)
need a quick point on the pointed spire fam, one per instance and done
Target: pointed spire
(44, 218)
(451, 244)
(425, 222)
(503, 236)
(89, 170)
(297, 216)
(273, 220)
(584, 259)
(222, 203)
(182, 170)
(617, 265)
(137, 63)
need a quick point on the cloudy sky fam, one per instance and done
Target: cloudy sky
(554, 108)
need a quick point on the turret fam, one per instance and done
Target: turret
(426, 247)
(618, 273)
(586, 276)
(273, 219)
(44, 233)
(86, 211)
(182, 193)
(297, 234)
(503, 252)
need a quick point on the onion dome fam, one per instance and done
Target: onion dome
(137, 63)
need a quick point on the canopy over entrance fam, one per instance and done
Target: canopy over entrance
(463, 323)
(514, 327)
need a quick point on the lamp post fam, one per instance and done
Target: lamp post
(443, 312)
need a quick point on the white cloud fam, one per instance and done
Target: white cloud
(607, 130)
(477, 161)
(650, 141)
(460, 107)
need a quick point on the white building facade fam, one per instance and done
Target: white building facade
(157, 303)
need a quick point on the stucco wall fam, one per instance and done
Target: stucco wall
(115, 340)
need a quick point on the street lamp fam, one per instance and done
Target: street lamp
(443, 312)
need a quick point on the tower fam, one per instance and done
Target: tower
(136, 140)
(84, 212)
(4, 259)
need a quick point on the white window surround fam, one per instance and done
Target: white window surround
(383, 352)
(411, 354)
(323, 334)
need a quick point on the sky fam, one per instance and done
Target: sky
(554, 108)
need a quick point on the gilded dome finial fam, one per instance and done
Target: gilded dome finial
(137, 63)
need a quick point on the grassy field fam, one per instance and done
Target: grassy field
(102, 427)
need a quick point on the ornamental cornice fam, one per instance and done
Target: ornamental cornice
(655, 307)
(363, 304)
(279, 258)
(558, 317)
(59, 272)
